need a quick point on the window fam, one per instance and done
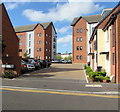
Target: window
(38, 49)
(40, 57)
(113, 34)
(80, 30)
(80, 47)
(77, 47)
(81, 57)
(80, 39)
(39, 34)
(39, 42)
(54, 46)
(54, 40)
(113, 58)
(20, 36)
(77, 30)
(54, 53)
(29, 43)
(96, 58)
(46, 57)
(46, 49)
(77, 39)
(93, 29)
(20, 43)
(95, 45)
(46, 42)
(46, 35)
(29, 36)
(108, 35)
(20, 50)
(77, 57)
(29, 51)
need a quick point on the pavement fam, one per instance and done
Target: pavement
(62, 77)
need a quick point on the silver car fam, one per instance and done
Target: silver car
(30, 66)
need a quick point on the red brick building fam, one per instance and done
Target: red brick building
(38, 40)
(10, 54)
(82, 28)
(109, 27)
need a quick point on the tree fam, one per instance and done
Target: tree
(69, 57)
(66, 58)
(26, 55)
(58, 57)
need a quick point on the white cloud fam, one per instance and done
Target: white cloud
(66, 39)
(10, 6)
(61, 12)
(65, 45)
(63, 29)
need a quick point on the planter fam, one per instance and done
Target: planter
(104, 81)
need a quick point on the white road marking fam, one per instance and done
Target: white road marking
(27, 88)
(90, 85)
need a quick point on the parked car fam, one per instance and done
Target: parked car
(30, 67)
(43, 63)
(48, 63)
(64, 61)
(69, 61)
(23, 66)
(56, 61)
(32, 61)
(37, 64)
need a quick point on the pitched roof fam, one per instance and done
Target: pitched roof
(75, 21)
(31, 27)
(111, 20)
(92, 36)
(106, 12)
(93, 18)
(89, 19)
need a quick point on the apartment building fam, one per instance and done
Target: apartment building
(82, 28)
(37, 40)
(10, 44)
(106, 39)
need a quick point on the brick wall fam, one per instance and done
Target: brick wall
(80, 24)
(39, 29)
(11, 41)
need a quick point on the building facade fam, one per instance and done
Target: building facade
(82, 28)
(37, 40)
(107, 34)
(10, 49)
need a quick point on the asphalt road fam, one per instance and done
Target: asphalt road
(32, 92)
(22, 100)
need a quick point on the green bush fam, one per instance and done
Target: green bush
(88, 69)
(107, 78)
(91, 74)
(9, 74)
(85, 66)
(99, 78)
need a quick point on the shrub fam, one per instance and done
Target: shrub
(91, 74)
(107, 78)
(88, 69)
(85, 66)
(99, 78)
(9, 74)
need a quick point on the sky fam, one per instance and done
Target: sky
(60, 13)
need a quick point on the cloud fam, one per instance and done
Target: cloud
(66, 39)
(62, 12)
(10, 6)
(63, 29)
(65, 45)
